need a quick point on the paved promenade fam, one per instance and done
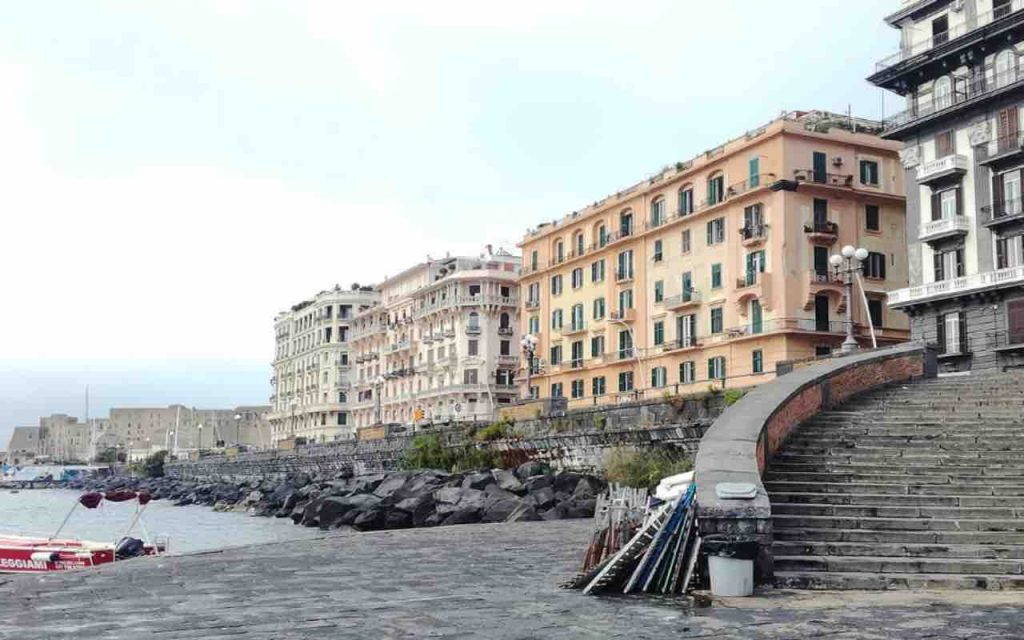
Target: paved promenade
(475, 581)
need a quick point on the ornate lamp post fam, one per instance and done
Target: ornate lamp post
(847, 266)
(378, 384)
(529, 344)
(238, 423)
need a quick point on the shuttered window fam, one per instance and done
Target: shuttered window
(1015, 321)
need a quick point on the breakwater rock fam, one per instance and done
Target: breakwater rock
(392, 500)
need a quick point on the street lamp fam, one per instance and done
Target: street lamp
(378, 384)
(199, 427)
(238, 423)
(847, 264)
(529, 344)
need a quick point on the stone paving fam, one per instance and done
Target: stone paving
(474, 581)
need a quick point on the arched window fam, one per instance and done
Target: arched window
(685, 200)
(601, 233)
(1005, 68)
(559, 251)
(626, 223)
(942, 94)
(658, 212)
(503, 321)
(716, 188)
(578, 242)
(474, 321)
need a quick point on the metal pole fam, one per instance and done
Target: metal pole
(867, 310)
(850, 344)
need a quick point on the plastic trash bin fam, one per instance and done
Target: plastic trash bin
(730, 564)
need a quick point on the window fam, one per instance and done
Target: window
(504, 347)
(556, 390)
(658, 212)
(945, 142)
(556, 319)
(756, 316)
(874, 266)
(659, 333)
(602, 236)
(949, 264)
(1007, 128)
(753, 221)
(686, 330)
(753, 172)
(576, 318)
(1009, 252)
(556, 355)
(716, 189)
(599, 309)
(1015, 321)
(504, 319)
(470, 376)
(559, 252)
(1005, 68)
(952, 332)
(534, 293)
(657, 251)
(597, 271)
(875, 312)
(940, 30)
(717, 323)
(625, 266)
(716, 276)
(578, 241)
(687, 372)
(625, 381)
(686, 286)
(626, 223)
(871, 221)
(659, 377)
(597, 347)
(576, 354)
(625, 300)
(597, 386)
(946, 204)
(716, 368)
(577, 278)
(685, 241)
(474, 348)
(625, 344)
(755, 265)
(659, 291)
(1000, 8)
(533, 261)
(533, 325)
(556, 285)
(685, 200)
(474, 322)
(716, 231)
(757, 361)
(577, 388)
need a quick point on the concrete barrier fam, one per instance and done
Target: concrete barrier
(739, 444)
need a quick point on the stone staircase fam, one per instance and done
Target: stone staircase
(912, 486)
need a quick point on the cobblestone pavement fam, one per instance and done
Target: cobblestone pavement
(473, 581)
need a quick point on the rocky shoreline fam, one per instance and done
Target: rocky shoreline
(392, 500)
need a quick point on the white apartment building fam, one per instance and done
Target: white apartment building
(311, 382)
(442, 345)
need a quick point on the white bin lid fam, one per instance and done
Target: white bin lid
(736, 490)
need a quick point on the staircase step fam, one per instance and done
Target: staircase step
(904, 537)
(910, 461)
(876, 564)
(888, 581)
(995, 455)
(890, 511)
(913, 488)
(897, 550)
(905, 468)
(969, 502)
(782, 521)
(949, 477)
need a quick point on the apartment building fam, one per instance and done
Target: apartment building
(959, 69)
(311, 385)
(714, 269)
(442, 345)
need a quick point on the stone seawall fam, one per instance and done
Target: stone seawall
(576, 441)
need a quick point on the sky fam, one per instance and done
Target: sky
(173, 174)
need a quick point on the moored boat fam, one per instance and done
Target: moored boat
(21, 554)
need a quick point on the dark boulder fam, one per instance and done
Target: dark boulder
(580, 508)
(397, 519)
(478, 480)
(542, 498)
(534, 483)
(508, 481)
(391, 484)
(525, 512)
(367, 483)
(531, 468)
(370, 520)
(587, 487)
(418, 507)
(566, 481)
(463, 516)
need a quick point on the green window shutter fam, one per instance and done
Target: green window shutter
(754, 172)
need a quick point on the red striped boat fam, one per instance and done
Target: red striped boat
(20, 554)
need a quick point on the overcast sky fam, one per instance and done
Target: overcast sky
(172, 174)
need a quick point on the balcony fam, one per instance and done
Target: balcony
(821, 231)
(624, 275)
(1004, 149)
(983, 86)
(533, 304)
(1003, 212)
(753, 235)
(947, 167)
(574, 328)
(946, 41)
(626, 315)
(473, 330)
(935, 230)
(689, 298)
(976, 283)
(829, 179)
(509, 359)
(626, 353)
(505, 331)
(690, 342)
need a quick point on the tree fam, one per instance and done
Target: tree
(153, 466)
(107, 456)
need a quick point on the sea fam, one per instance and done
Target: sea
(189, 529)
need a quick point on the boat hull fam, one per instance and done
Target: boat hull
(41, 555)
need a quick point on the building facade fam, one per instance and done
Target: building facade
(712, 270)
(63, 438)
(23, 445)
(442, 345)
(177, 429)
(959, 70)
(311, 383)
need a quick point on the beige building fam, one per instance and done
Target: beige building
(441, 345)
(63, 438)
(177, 428)
(311, 384)
(23, 445)
(712, 270)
